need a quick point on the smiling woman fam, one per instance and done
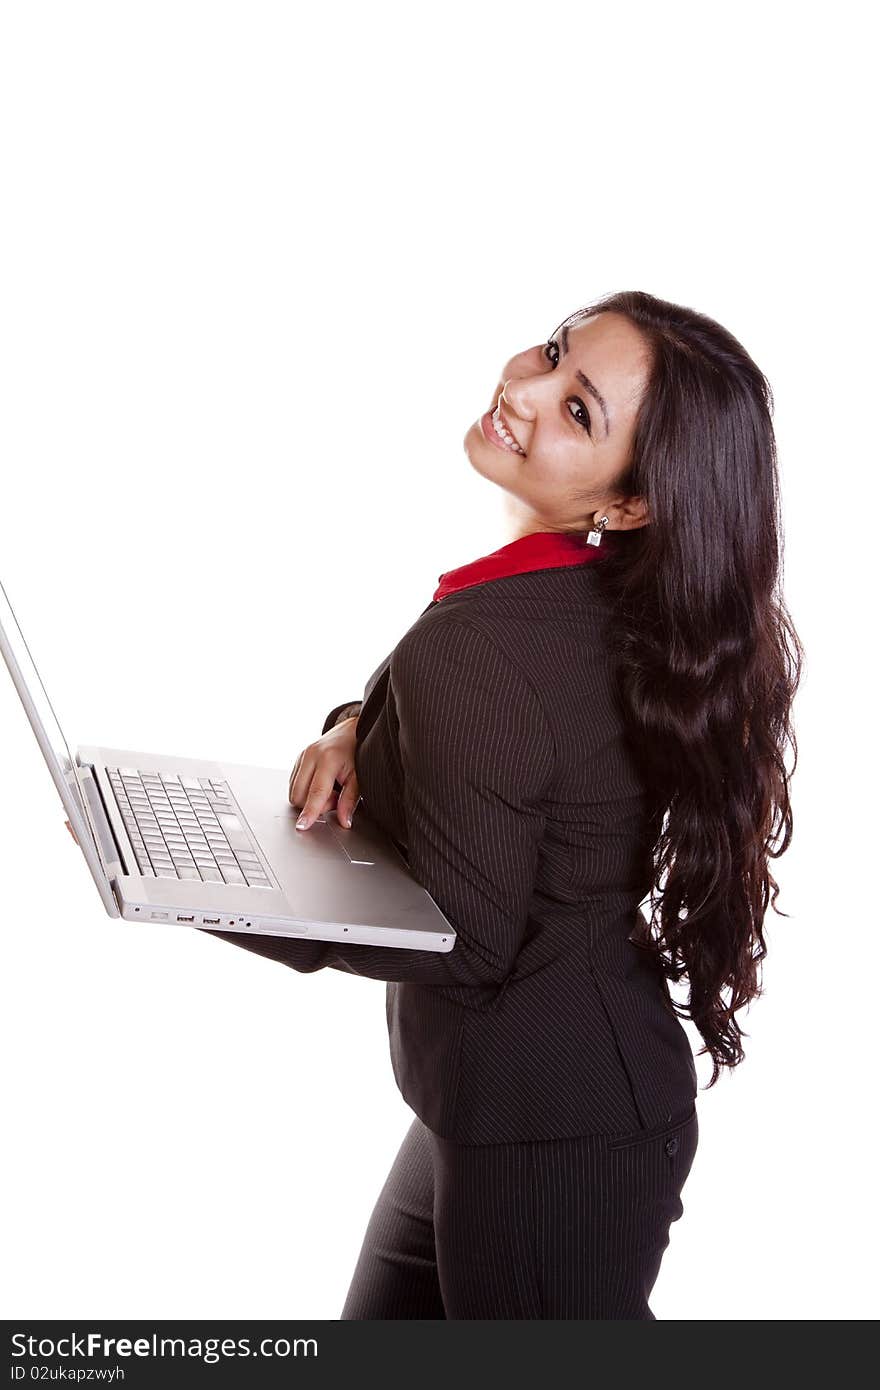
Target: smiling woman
(566, 729)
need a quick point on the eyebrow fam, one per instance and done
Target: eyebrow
(585, 380)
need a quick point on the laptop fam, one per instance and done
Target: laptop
(187, 842)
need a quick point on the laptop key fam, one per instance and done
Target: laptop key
(235, 832)
(232, 875)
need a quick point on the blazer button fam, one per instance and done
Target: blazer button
(672, 1145)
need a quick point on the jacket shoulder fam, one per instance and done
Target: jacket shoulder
(473, 657)
(464, 640)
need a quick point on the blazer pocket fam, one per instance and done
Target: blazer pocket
(652, 1045)
(644, 1136)
(608, 1011)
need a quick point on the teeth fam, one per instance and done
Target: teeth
(505, 433)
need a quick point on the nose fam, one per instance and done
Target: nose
(522, 389)
(518, 397)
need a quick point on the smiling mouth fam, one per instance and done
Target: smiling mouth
(496, 433)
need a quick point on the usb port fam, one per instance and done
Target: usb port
(159, 916)
(185, 919)
(210, 921)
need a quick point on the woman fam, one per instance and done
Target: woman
(594, 713)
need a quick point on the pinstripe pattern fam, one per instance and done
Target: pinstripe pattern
(491, 746)
(561, 1228)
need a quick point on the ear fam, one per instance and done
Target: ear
(630, 513)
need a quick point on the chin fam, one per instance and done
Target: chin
(483, 459)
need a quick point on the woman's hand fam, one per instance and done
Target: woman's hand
(329, 759)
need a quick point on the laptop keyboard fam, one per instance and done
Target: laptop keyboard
(186, 827)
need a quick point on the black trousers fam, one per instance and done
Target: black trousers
(552, 1228)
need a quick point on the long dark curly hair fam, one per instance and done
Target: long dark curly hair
(709, 658)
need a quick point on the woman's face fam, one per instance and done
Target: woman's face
(574, 446)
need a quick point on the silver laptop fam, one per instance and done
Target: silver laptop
(184, 842)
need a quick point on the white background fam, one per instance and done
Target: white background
(261, 265)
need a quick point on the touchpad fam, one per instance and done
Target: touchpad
(354, 844)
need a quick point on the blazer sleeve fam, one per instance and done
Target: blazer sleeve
(477, 755)
(344, 711)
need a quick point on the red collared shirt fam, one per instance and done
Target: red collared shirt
(540, 550)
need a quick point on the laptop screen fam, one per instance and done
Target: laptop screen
(48, 731)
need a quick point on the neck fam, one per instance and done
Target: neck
(519, 520)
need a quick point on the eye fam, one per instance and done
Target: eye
(584, 421)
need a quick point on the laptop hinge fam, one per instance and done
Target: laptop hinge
(110, 849)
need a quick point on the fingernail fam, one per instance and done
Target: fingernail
(301, 823)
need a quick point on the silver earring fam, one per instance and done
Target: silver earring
(595, 535)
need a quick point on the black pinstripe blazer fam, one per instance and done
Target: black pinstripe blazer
(491, 747)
